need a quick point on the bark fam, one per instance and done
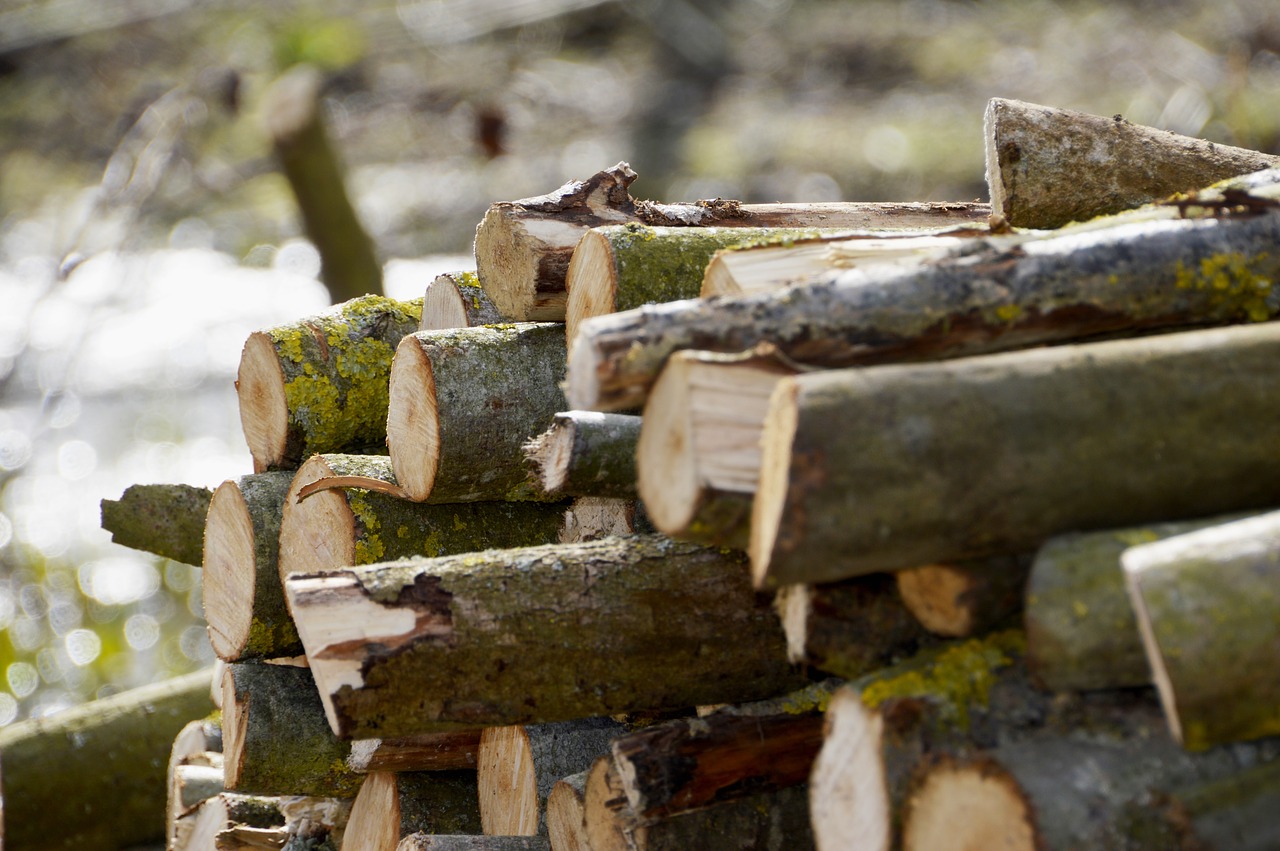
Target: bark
(566, 824)
(430, 752)
(428, 842)
(391, 806)
(93, 776)
(167, 520)
(348, 265)
(320, 384)
(228, 813)
(1047, 167)
(536, 634)
(982, 456)
(586, 453)
(1141, 271)
(456, 300)
(243, 599)
(520, 764)
(589, 518)
(1081, 631)
(967, 598)
(464, 403)
(1208, 610)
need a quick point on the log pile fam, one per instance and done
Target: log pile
(958, 533)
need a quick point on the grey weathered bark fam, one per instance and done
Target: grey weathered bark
(586, 453)
(167, 520)
(393, 805)
(456, 300)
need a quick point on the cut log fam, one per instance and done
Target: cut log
(566, 822)
(520, 764)
(230, 813)
(428, 752)
(848, 628)
(320, 384)
(586, 453)
(988, 455)
(93, 776)
(1047, 167)
(967, 598)
(391, 806)
(193, 775)
(590, 518)
(243, 600)
(429, 842)
(1208, 609)
(1143, 270)
(536, 634)
(456, 300)
(1081, 631)
(167, 520)
(464, 403)
(698, 457)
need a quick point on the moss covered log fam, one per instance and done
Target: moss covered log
(536, 634)
(586, 453)
(93, 776)
(1208, 610)
(456, 300)
(320, 384)
(393, 805)
(167, 520)
(1136, 272)
(995, 454)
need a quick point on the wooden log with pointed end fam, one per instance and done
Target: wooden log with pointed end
(393, 805)
(93, 776)
(1141, 271)
(536, 634)
(243, 599)
(1081, 631)
(520, 764)
(566, 821)
(964, 459)
(965, 598)
(320, 384)
(446, 842)
(464, 402)
(1208, 610)
(589, 518)
(456, 300)
(428, 752)
(1047, 167)
(586, 453)
(167, 520)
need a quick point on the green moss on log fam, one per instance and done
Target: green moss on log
(167, 520)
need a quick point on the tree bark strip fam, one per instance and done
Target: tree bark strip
(167, 520)
(456, 300)
(429, 752)
(988, 455)
(391, 806)
(586, 453)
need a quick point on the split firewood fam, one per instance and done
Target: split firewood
(924, 452)
(393, 805)
(589, 518)
(464, 402)
(586, 453)
(232, 814)
(167, 520)
(523, 248)
(320, 384)
(427, 752)
(194, 774)
(456, 300)
(1140, 271)
(1208, 609)
(520, 764)
(566, 822)
(511, 636)
(243, 599)
(309, 824)
(1081, 631)
(430, 842)
(1047, 167)
(93, 776)
(965, 598)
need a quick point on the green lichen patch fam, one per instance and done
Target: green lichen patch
(1234, 279)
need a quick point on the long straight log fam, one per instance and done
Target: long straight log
(1047, 167)
(320, 384)
(464, 403)
(1208, 610)
(995, 454)
(536, 634)
(214, 822)
(586, 453)
(456, 300)
(1144, 270)
(167, 520)
(391, 806)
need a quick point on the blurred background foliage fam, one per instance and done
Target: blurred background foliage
(144, 230)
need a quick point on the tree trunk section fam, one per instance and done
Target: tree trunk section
(586, 453)
(428, 752)
(982, 456)
(456, 300)
(464, 404)
(566, 822)
(1047, 167)
(967, 598)
(391, 806)
(1208, 609)
(320, 384)
(167, 520)
(536, 634)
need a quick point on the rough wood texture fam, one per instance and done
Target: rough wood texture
(965, 458)
(456, 300)
(193, 775)
(428, 752)
(966, 598)
(464, 403)
(566, 822)
(536, 634)
(348, 265)
(320, 384)
(428, 842)
(167, 520)
(93, 776)
(243, 599)
(1143, 270)
(1047, 167)
(225, 820)
(1208, 610)
(391, 806)
(586, 453)
(589, 518)
(1081, 631)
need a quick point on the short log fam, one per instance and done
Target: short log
(586, 453)
(167, 520)
(392, 805)
(456, 300)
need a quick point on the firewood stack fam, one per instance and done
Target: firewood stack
(836, 526)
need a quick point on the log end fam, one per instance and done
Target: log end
(264, 410)
(566, 825)
(508, 786)
(442, 305)
(523, 273)
(774, 484)
(591, 283)
(974, 805)
(848, 795)
(667, 469)
(413, 423)
(582, 377)
(316, 533)
(229, 573)
(375, 816)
